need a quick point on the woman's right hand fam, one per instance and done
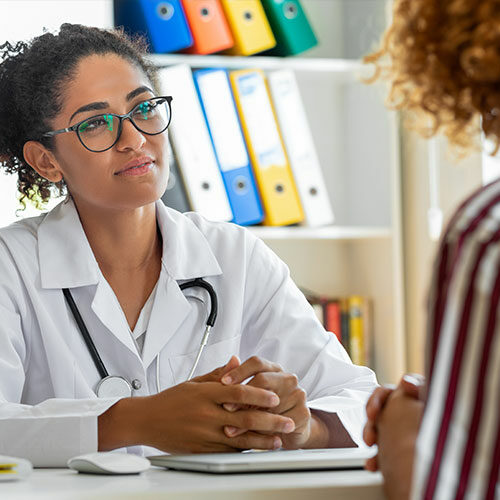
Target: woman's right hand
(189, 418)
(411, 384)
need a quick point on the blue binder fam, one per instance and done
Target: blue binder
(162, 22)
(227, 138)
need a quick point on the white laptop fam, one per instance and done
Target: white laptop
(263, 461)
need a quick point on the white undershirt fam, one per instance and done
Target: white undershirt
(139, 333)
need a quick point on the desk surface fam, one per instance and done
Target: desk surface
(165, 484)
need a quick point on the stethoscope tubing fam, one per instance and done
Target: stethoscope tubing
(101, 368)
(200, 282)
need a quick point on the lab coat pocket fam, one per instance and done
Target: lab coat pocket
(213, 356)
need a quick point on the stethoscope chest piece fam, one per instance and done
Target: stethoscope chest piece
(113, 386)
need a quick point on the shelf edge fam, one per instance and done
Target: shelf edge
(340, 233)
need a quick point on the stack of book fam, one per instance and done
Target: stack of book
(237, 27)
(242, 150)
(350, 319)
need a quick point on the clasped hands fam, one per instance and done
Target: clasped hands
(218, 412)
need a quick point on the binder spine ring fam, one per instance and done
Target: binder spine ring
(290, 10)
(205, 14)
(165, 11)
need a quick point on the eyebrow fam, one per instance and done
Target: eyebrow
(97, 106)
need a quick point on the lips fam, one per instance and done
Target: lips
(136, 163)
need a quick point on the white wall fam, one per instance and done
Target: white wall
(24, 19)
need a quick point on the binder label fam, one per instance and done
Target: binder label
(224, 126)
(260, 120)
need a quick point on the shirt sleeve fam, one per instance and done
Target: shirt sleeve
(281, 326)
(458, 448)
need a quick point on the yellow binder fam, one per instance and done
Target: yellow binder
(265, 145)
(249, 25)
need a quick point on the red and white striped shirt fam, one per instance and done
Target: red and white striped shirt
(458, 448)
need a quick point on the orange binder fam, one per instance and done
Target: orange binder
(209, 27)
(249, 25)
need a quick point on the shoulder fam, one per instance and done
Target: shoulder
(467, 267)
(478, 216)
(18, 260)
(20, 238)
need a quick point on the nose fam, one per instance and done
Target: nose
(130, 138)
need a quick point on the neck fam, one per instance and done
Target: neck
(122, 240)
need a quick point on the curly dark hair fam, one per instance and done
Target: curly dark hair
(32, 79)
(442, 61)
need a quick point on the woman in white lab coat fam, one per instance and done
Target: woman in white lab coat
(123, 256)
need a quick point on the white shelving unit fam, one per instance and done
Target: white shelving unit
(358, 145)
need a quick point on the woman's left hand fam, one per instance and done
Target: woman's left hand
(293, 398)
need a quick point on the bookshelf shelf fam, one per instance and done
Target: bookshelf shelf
(346, 67)
(321, 233)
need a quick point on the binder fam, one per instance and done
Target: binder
(299, 144)
(290, 26)
(209, 27)
(162, 22)
(192, 144)
(175, 195)
(270, 164)
(227, 138)
(249, 26)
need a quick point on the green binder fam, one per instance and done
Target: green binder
(290, 27)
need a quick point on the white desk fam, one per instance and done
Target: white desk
(58, 484)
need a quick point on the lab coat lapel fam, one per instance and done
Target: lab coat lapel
(186, 255)
(169, 311)
(107, 308)
(67, 261)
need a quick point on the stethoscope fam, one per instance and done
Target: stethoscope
(111, 386)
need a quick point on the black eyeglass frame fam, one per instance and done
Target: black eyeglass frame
(127, 116)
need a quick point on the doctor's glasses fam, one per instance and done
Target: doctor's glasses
(101, 132)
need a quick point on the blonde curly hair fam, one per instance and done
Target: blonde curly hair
(442, 61)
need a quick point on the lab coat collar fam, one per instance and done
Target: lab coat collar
(65, 257)
(186, 251)
(67, 261)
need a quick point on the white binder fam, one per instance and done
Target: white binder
(299, 143)
(193, 146)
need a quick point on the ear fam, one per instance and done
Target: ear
(42, 161)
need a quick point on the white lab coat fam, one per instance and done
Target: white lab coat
(48, 407)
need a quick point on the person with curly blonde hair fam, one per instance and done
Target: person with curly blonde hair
(441, 439)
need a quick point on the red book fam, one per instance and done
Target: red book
(332, 318)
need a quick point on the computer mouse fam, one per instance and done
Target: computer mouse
(108, 462)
